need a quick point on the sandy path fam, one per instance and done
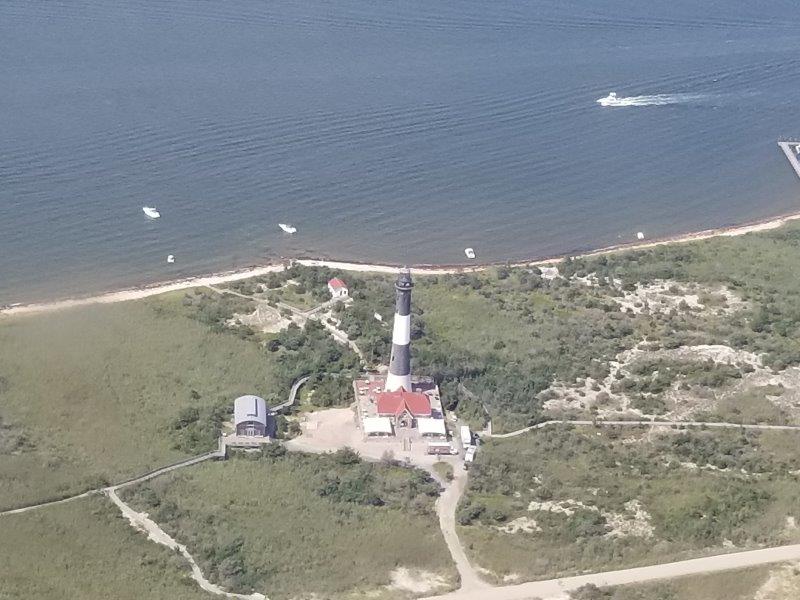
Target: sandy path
(143, 523)
(446, 506)
(557, 588)
(144, 292)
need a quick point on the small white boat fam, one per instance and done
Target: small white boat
(610, 100)
(287, 228)
(469, 252)
(171, 258)
(639, 235)
(151, 212)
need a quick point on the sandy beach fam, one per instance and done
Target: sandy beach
(229, 276)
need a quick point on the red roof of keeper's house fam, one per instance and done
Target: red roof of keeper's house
(394, 403)
(337, 283)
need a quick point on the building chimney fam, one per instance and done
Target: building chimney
(400, 362)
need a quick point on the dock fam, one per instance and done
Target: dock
(790, 149)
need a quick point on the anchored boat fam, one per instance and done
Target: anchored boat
(151, 212)
(287, 228)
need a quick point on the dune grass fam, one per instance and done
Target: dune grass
(742, 584)
(296, 525)
(88, 395)
(698, 493)
(86, 550)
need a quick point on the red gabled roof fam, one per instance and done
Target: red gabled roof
(394, 403)
(337, 283)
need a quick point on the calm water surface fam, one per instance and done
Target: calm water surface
(397, 131)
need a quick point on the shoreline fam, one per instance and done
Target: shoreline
(155, 289)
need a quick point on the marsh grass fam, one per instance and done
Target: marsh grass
(95, 390)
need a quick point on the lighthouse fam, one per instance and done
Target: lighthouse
(400, 361)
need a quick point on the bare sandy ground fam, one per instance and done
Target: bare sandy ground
(220, 278)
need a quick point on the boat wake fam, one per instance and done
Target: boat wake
(655, 100)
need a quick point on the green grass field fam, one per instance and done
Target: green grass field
(297, 525)
(85, 550)
(88, 395)
(694, 497)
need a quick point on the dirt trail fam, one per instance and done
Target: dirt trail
(446, 506)
(142, 522)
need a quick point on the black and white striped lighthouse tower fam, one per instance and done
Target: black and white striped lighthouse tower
(400, 361)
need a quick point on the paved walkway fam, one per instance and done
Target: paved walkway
(557, 588)
(647, 422)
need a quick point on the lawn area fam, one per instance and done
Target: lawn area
(85, 550)
(561, 501)
(295, 296)
(101, 393)
(293, 525)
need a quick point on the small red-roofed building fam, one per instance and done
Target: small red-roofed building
(338, 288)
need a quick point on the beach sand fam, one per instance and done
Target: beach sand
(226, 277)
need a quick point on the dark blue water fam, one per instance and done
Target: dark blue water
(398, 131)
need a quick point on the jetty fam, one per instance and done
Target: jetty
(791, 150)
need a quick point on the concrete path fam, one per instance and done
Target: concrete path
(557, 588)
(604, 423)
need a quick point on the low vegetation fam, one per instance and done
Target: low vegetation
(774, 582)
(296, 524)
(598, 498)
(101, 393)
(86, 550)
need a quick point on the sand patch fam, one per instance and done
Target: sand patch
(663, 296)
(782, 583)
(520, 524)
(265, 319)
(417, 581)
(634, 522)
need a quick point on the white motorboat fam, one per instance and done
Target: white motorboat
(287, 228)
(469, 252)
(610, 100)
(171, 258)
(151, 212)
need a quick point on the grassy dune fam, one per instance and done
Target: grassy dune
(87, 395)
(696, 492)
(742, 584)
(86, 550)
(297, 525)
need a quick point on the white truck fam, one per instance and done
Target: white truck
(469, 456)
(466, 436)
